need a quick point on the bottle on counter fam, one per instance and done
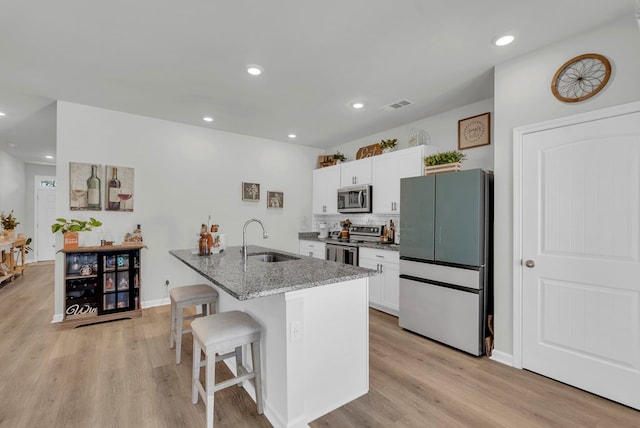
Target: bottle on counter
(392, 232)
(137, 234)
(93, 189)
(114, 188)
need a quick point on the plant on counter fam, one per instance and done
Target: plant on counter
(9, 222)
(388, 144)
(72, 225)
(339, 156)
(444, 158)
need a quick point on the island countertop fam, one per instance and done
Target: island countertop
(258, 279)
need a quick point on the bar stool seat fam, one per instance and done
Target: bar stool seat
(218, 333)
(184, 297)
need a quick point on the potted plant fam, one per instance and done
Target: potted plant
(9, 223)
(70, 229)
(445, 161)
(339, 157)
(387, 145)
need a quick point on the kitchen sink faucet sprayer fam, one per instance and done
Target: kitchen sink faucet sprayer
(265, 235)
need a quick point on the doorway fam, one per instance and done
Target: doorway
(45, 216)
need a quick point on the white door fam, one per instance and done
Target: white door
(45, 217)
(581, 255)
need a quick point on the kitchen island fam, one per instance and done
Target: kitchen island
(314, 316)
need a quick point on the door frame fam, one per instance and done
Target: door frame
(519, 134)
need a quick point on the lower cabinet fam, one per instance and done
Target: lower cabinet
(384, 289)
(312, 249)
(101, 284)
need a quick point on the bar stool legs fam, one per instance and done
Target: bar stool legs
(214, 334)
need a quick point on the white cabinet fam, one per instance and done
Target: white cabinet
(326, 182)
(312, 249)
(384, 289)
(355, 172)
(388, 169)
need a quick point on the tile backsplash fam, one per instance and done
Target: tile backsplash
(333, 221)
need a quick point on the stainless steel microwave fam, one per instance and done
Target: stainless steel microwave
(354, 199)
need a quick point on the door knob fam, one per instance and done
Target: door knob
(529, 263)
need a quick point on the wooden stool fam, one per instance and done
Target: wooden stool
(217, 333)
(182, 297)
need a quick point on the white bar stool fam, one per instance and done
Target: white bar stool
(183, 297)
(217, 333)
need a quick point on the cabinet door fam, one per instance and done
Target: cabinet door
(355, 172)
(312, 249)
(326, 182)
(417, 217)
(391, 291)
(459, 216)
(375, 282)
(386, 185)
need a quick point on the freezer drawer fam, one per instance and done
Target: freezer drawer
(448, 315)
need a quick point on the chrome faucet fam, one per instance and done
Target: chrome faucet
(265, 235)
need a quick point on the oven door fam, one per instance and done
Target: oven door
(345, 254)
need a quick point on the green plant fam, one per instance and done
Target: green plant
(27, 246)
(444, 158)
(72, 225)
(9, 222)
(388, 144)
(339, 156)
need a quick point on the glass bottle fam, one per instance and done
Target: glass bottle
(114, 188)
(93, 189)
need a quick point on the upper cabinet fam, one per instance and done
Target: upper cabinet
(388, 169)
(355, 172)
(326, 182)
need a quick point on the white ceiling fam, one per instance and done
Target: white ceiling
(182, 60)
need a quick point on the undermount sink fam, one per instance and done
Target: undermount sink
(271, 257)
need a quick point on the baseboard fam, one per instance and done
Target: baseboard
(502, 357)
(153, 303)
(57, 318)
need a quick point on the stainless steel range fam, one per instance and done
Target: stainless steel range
(346, 250)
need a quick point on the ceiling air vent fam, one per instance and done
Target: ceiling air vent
(397, 105)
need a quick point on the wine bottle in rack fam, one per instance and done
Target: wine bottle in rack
(114, 190)
(93, 189)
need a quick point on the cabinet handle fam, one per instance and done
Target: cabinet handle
(310, 253)
(379, 256)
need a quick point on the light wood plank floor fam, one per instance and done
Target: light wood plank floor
(122, 374)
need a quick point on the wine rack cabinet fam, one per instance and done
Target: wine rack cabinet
(101, 284)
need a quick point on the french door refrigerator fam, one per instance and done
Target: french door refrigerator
(446, 251)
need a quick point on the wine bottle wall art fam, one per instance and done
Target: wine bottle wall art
(92, 187)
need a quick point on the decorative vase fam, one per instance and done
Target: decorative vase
(10, 234)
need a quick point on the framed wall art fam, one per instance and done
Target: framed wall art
(275, 199)
(474, 131)
(118, 188)
(85, 186)
(250, 192)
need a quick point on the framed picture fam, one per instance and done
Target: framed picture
(474, 131)
(275, 199)
(118, 188)
(250, 192)
(85, 187)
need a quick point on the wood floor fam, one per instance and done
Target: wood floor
(122, 374)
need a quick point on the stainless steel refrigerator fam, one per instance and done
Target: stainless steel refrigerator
(446, 279)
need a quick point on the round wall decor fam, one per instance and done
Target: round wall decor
(581, 78)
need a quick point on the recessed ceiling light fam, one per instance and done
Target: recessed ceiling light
(254, 70)
(2, 114)
(12, 145)
(207, 119)
(292, 135)
(357, 105)
(504, 40)
(49, 157)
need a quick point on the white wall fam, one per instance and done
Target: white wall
(522, 97)
(443, 132)
(182, 174)
(12, 188)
